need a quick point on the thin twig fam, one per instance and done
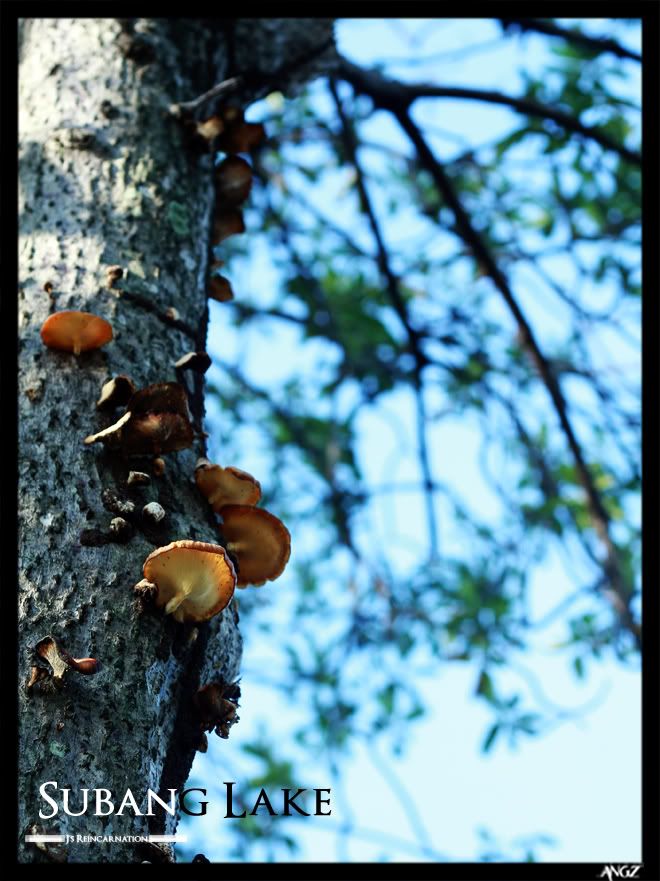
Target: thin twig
(257, 82)
(226, 87)
(245, 310)
(336, 496)
(149, 306)
(596, 44)
(398, 301)
(386, 771)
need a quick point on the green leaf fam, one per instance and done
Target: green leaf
(485, 687)
(489, 739)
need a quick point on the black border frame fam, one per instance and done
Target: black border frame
(648, 11)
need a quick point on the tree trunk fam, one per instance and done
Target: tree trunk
(105, 179)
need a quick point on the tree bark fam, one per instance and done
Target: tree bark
(105, 179)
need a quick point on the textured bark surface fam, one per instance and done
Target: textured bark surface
(104, 180)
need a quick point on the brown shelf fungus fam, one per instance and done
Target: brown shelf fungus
(157, 433)
(137, 478)
(216, 704)
(226, 486)
(195, 579)
(156, 421)
(233, 181)
(240, 136)
(197, 361)
(116, 392)
(219, 288)
(227, 223)
(260, 542)
(110, 435)
(160, 397)
(51, 661)
(71, 331)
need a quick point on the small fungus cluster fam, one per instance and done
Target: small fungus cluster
(50, 662)
(216, 705)
(228, 131)
(156, 420)
(191, 581)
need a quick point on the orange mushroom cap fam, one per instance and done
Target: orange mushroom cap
(226, 486)
(195, 579)
(76, 332)
(259, 540)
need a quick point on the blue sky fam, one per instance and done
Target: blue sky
(578, 783)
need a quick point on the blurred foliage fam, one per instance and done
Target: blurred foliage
(561, 215)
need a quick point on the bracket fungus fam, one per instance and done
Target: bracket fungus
(51, 661)
(226, 486)
(71, 331)
(227, 223)
(116, 392)
(217, 703)
(260, 542)
(161, 397)
(157, 433)
(195, 579)
(197, 361)
(160, 421)
(220, 289)
(233, 181)
(240, 136)
(137, 478)
(110, 435)
(156, 421)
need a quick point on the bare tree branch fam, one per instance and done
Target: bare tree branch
(388, 94)
(407, 802)
(400, 306)
(597, 44)
(336, 498)
(475, 243)
(396, 98)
